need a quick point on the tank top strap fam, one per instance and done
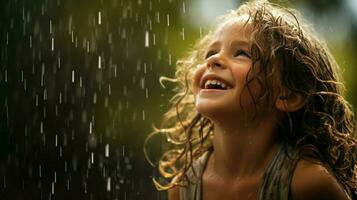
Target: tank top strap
(193, 190)
(278, 176)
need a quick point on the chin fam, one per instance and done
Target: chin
(213, 110)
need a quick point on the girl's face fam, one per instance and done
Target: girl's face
(219, 84)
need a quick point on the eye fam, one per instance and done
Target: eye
(241, 52)
(210, 53)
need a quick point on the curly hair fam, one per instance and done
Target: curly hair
(324, 128)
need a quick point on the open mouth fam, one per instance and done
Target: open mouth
(216, 84)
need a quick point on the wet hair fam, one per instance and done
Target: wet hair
(285, 53)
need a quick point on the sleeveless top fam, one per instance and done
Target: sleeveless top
(276, 179)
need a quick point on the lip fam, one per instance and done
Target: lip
(212, 76)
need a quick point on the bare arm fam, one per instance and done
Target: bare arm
(312, 181)
(174, 193)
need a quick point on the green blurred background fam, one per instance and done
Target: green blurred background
(79, 87)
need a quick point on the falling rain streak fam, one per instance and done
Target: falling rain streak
(81, 92)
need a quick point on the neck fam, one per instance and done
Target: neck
(243, 152)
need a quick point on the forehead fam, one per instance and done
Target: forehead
(237, 28)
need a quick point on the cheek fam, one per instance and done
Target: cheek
(197, 74)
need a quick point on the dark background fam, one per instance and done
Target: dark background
(79, 88)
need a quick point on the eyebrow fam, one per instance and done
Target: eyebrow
(242, 43)
(238, 42)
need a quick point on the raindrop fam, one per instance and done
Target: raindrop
(99, 18)
(146, 93)
(107, 150)
(90, 127)
(56, 140)
(108, 184)
(30, 41)
(88, 45)
(60, 98)
(170, 61)
(95, 98)
(59, 62)
(99, 62)
(55, 177)
(36, 100)
(183, 7)
(41, 127)
(183, 33)
(53, 188)
(143, 113)
(45, 94)
(52, 44)
(70, 26)
(92, 157)
(50, 26)
(72, 76)
(146, 39)
(158, 17)
(168, 19)
(154, 39)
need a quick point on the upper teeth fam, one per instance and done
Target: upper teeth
(216, 82)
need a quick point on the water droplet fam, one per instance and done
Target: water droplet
(56, 140)
(30, 41)
(108, 184)
(95, 98)
(183, 7)
(59, 62)
(72, 76)
(168, 19)
(41, 127)
(90, 127)
(52, 44)
(183, 33)
(146, 39)
(50, 26)
(99, 18)
(107, 150)
(99, 62)
(92, 157)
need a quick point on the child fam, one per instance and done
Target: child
(259, 114)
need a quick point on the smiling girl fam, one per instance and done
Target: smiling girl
(259, 114)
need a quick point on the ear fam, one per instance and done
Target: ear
(290, 102)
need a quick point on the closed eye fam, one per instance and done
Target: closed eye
(209, 54)
(241, 52)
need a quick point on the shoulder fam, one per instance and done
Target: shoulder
(311, 180)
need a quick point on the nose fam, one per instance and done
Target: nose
(216, 60)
